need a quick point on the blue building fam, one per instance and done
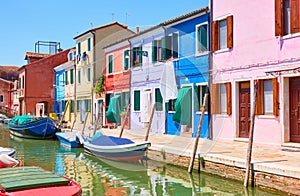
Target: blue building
(187, 43)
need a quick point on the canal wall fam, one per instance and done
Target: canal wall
(272, 167)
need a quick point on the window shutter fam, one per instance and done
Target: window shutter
(126, 59)
(275, 97)
(295, 14)
(137, 98)
(158, 100)
(229, 100)
(140, 54)
(72, 76)
(66, 78)
(215, 36)
(168, 47)
(278, 17)
(154, 51)
(163, 48)
(175, 45)
(229, 31)
(259, 100)
(215, 98)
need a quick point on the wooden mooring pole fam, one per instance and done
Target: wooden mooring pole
(124, 122)
(150, 123)
(198, 134)
(249, 151)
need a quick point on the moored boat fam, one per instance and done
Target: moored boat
(114, 148)
(68, 139)
(32, 127)
(8, 151)
(31, 180)
(7, 161)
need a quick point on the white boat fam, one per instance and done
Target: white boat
(7, 161)
(8, 151)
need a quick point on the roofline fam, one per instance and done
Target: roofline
(101, 27)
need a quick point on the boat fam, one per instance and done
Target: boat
(32, 180)
(68, 139)
(8, 151)
(7, 120)
(115, 148)
(7, 161)
(29, 126)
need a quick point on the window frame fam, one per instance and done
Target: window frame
(200, 52)
(88, 74)
(135, 109)
(200, 92)
(126, 59)
(110, 70)
(88, 44)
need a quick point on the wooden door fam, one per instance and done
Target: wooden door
(244, 109)
(295, 109)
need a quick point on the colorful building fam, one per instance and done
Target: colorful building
(64, 88)
(36, 83)
(249, 50)
(90, 65)
(187, 41)
(117, 81)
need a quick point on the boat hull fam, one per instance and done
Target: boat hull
(126, 153)
(8, 151)
(68, 139)
(43, 128)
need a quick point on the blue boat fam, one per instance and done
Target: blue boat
(68, 139)
(28, 126)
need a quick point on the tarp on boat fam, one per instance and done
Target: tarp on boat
(110, 141)
(22, 119)
(183, 105)
(114, 110)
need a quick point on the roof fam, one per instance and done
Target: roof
(192, 13)
(36, 55)
(101, 27)
(9, 67)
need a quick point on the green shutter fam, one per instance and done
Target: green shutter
(79, 77)
(72, 106)
(140, 55)
(78, 105)
(88, 105)
(154, 51)
(137, 100)
(158, 100)
(110, 64)
(132, 57)
(66, 78)
(89, 44)
(203, 37)
(72, 76)
(168, 47)
(163, 49)
(126, 60)
(197, 98)
(79, 48)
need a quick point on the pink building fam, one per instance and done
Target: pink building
(256, 41)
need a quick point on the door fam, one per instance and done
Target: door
(100, 112)
(244, 109)
(295, 109)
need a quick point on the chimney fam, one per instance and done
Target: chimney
(59, 50)
(137, 30)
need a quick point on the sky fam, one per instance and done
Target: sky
(23, 23)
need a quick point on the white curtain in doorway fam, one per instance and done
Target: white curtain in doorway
(146, 106)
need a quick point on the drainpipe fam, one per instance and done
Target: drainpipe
(210, 64)
(94, 75)
(130, 61)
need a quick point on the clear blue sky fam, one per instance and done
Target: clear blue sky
(23, 23)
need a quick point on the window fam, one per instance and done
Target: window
(72, 106)
(201, 38)
(156, 51)
(221, 98)
(287, 17)
(88, 74)
(267, 100)
(137, 58)
(79, 48)
(158, 100)
(171, 105)
(71, 55)
(110, 64)
(89, 44)
(222, 34)
(171, 46)
(66, 78)
(1, 98)
(78, 76)
(124, 100)
(72, 76)
(200, 93)
(137, 100)
(126, 60)
(108, 96)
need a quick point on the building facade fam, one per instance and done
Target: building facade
(268, 56)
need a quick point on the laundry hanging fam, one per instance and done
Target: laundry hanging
(114, 110)
(146, 106)
(168, 86)
(183, 106)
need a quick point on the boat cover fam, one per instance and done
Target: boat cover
(110, 141)
(22, 119)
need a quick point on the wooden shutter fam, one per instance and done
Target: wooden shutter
(137, 100)
(72, 76)
(126, 59)
(158, 100)
(229, 31)
(154, 51)
(215, 98)
(215, 36)
(140, 55)
(259, 100)
(279, 18)
(168, 47)
(66, 78)
(275, 97)
(163, 48)
(229, 100)
(295, 16)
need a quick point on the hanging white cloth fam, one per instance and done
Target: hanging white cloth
(146, 106)
(168, 86)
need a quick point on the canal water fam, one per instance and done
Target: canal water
(103, 177)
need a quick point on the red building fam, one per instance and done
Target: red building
(36, 79)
